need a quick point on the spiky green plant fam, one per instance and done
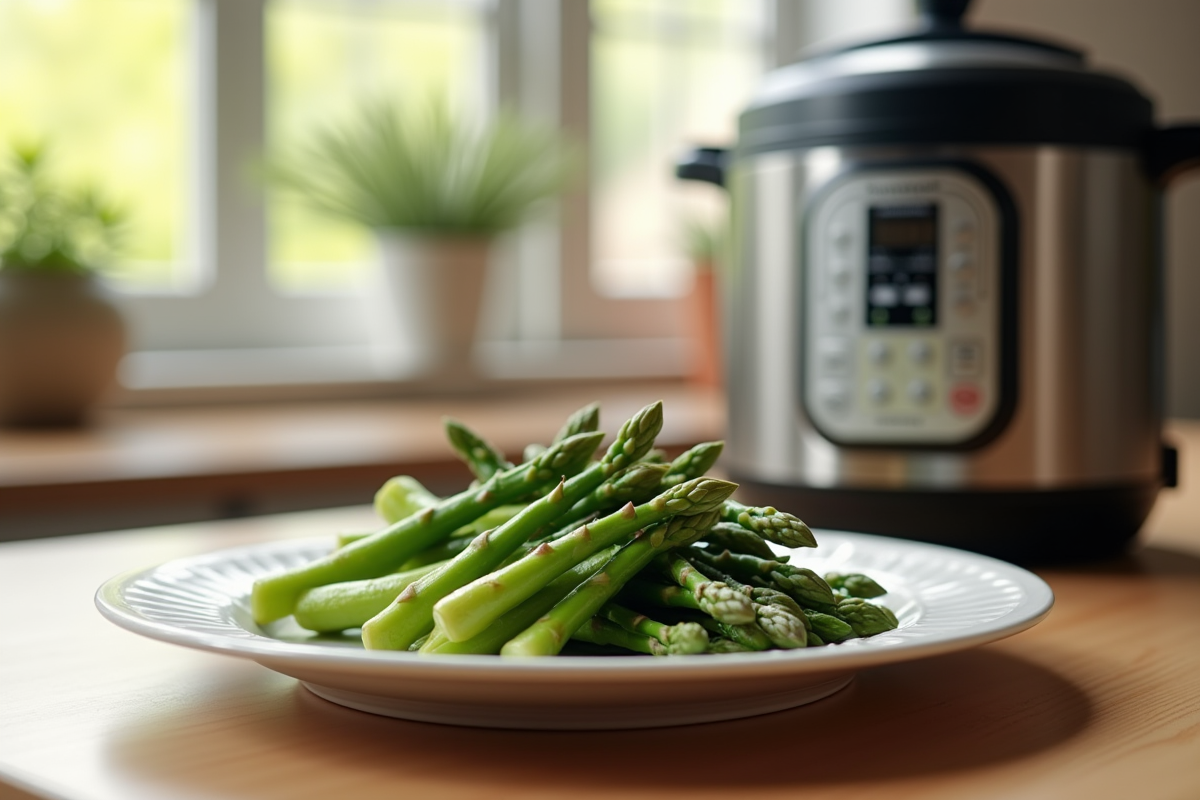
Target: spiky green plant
(423, 169)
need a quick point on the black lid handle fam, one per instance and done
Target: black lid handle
(943, 13)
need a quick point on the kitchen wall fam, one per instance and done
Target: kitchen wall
(1154, 44)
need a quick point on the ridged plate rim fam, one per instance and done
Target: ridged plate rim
(947, 600)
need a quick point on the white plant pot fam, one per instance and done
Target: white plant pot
(425, 304)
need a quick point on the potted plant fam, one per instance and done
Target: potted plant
(61, 335)
(438, 191)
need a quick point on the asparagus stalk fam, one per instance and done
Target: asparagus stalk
(583, 420)
(641, 592)
(854, 584)
(828, 627)
(715, 598)
(683, 639)
(719, 644)
(637, 484)
(805, 586)
(491, 519)
(738, 539)
(693, 463)
(524, 615)
(598, 630)
(778, 615)
(401, 496)
(411, 614)
(774, 526)
(274, 596)
(548, 635)
(480, 456)
(748, 634)
(338, 606)
(867, 619)
(473, 607)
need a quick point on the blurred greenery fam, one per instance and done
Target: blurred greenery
(48, 226)
(104, 81)
(426, 169)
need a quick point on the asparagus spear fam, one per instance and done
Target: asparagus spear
(828, 627)
(480, 456)
(867, 619)
(693, 463)
(524, 615)
(583, 420)
(854, 584)
(715, 598)
(641, 592)
(748, 634)
(411, 614)
(401, 496)
(548, 635)
(274, 596)
(683, 639)
(774, 526)
(802, 584)
(738, 539)
(473, 607)
(778, 615)
(719, 644)
(601, 631)
(637, 484)
(338, 606)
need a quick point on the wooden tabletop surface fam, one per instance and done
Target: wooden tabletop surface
(1101, 700)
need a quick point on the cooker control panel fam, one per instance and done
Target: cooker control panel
(902, 303)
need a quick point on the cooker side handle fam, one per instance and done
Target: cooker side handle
(703, 164)
(1170, 152)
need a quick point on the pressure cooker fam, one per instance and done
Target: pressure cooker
(943, 310)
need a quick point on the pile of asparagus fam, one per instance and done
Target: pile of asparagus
(626, 551)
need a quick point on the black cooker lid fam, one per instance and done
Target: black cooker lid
(945, 84)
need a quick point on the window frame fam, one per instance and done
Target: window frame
(545, 318)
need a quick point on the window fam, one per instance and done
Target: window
(226, 282)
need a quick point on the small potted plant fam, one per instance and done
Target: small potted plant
(438, 191)
(61, 335)
(705, 244)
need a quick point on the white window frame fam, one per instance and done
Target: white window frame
(547, 320)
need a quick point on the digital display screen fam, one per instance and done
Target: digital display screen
(902, 265)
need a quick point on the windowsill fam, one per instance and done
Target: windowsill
(139, 466)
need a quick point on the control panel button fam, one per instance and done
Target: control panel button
(839, 311)
(920, 391)
(834, 352)
(959, 261)
(965, 398)
(880, 353)
(966, 358)
(841, 273)
(920, 352)
(835, 395)
(879, 391)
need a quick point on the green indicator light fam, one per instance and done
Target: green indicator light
(879, 316)
(922, 315)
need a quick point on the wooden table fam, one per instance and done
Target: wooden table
(1102, 700)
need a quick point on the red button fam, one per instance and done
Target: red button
(965, 398)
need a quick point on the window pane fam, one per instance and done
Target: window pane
(665, 76)
(103, 84)
(325, 57)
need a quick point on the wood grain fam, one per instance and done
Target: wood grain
(1102, 700)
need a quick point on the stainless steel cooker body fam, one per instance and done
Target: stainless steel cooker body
(943, 314)
(1085, 391)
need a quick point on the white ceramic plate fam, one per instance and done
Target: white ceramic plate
(945, 599)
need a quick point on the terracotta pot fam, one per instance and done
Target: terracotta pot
(425, 306)
(705, 329)
(61, 339)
